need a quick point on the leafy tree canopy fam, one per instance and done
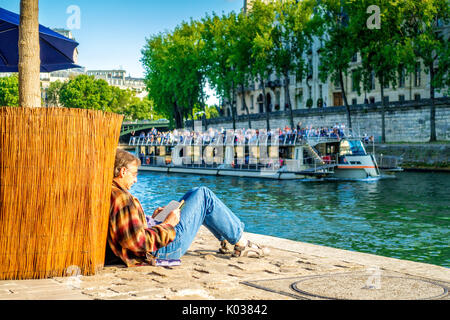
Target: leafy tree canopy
(9, 91)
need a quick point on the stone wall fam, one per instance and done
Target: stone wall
(405, 121)
(418, 155)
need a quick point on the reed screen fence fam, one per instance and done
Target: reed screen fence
(56, 168)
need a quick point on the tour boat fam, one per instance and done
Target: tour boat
(263, 156)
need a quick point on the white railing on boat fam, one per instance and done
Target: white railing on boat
(261, 141)
(308, 165)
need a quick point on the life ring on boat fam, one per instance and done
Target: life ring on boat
(147, 160)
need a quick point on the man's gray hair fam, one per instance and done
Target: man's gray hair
(123, 159)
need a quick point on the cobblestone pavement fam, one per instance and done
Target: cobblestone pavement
(291, 270)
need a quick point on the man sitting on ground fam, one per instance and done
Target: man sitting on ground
(136, 243)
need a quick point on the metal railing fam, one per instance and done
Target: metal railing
(388, 162)
(309, 165)
(284, 140)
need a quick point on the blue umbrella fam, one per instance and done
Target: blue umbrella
(57, 51)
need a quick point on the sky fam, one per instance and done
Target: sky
(111, 34)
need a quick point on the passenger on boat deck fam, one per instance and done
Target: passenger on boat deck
(138, 239)
(287, 135)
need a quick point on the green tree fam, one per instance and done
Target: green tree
(209, 112)
(202, 58)
(241, 56)
(192, 61)
(9, 91)
(383, 50)
(139, 110)
(422, 22)
(443, 76)
(262, 15)
(218, 40)
(340, 44)
(175, 71)
(158, 78)
(86, 92)
(120, 100)
(291, 35)
(53, 93)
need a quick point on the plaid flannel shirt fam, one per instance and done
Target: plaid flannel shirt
(129, 236)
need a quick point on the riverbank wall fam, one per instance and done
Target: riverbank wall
(418, 157)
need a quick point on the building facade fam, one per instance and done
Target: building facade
(118, 78)
(307, 91)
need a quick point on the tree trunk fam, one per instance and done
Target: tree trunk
(233, 109)
(246, 107)
(287, 99)
(347, 107)
(383, 111)
(432, 107)
(183, 115)
(178, 118)
(192, 115)
(203, 106)
(222, 107)
(29, 54)
(266, 106)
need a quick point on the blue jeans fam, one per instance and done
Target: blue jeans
(202, 207)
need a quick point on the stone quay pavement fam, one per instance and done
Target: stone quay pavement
(291, 270)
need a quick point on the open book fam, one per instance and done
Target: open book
(167, 209)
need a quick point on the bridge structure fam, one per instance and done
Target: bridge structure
(136, 126)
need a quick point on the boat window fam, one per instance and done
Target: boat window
(330, 148)
(352, 147)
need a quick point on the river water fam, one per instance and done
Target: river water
(405, 217)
